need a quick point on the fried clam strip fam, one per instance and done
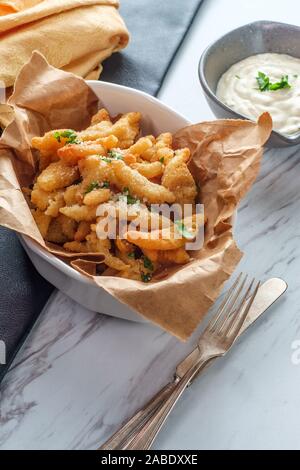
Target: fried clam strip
(73, 194)
(57, 175)
(178, 179)
(72, 153)
(50, 202)
(42, 199)
(149, 170)
(140, 146)
(173, 237)
(138, 269)
(93, 168)
(80, 213)
(55, 204)
(101, 125)
(53, 140)
(50, 143)
(101, 115)
(126, 129)
(97, 196)
(161, 149)
(82, 231)
(178, 256)
(144, 220)
(95, 245)
(162, 240)
(138, 216)
(139, 186)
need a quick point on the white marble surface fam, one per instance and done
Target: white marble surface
(80, 374)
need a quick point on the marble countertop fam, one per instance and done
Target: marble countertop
(80, 374)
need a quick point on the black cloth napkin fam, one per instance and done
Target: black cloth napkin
(157, 27)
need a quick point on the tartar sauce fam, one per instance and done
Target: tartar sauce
(239, 89)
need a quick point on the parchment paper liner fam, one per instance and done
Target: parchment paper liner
(225, 162)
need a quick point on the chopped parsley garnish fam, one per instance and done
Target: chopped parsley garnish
(70, 135)
(263, 81)
(184, 231)
(162, 160)
(284, 83)
(265, 84)
(131, 255)
(146, 277)
(130, 199)
(95, 185)
(114, 155)
(148, 263)
(238, 77)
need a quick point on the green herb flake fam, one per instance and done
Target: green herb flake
(148, 263)
(57, 136)
(131, 255)
(265, 84)
(69, 134)
(162, 160)
(105, 159)
(93, 185)
(130, 199)
(114, 155)
(284, 83)
(105, 184)
(263, 81)
(238, 77)
(146, 277)
(184, 231)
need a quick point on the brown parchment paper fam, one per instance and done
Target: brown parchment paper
(225, 161)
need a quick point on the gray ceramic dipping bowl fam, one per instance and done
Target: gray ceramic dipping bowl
(248, 40)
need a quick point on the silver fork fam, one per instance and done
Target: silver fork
(215, 341)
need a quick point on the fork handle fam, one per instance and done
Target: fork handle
(144, 438)
(123, 437)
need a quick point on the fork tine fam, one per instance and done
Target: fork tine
(231, 308)
(234, 313)
(240, 318)
(223, 305)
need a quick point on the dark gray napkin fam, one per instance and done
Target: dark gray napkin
(23, 294)
(157, 30)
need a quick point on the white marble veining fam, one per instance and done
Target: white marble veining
(80, 374)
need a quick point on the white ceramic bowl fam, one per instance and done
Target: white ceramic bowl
(157, 118)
